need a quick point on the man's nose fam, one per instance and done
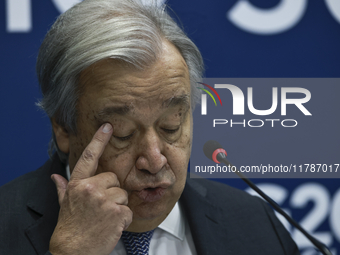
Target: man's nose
(150, 153)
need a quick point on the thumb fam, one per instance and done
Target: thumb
(61, 185)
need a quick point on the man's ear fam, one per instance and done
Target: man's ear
(62, 136)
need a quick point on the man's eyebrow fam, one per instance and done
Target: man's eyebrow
(177, 100)
(112, 110)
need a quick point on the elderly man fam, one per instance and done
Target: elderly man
(119, 84)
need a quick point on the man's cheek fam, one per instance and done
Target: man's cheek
(184, 143)
(186, 137)
(118, 163)
(178, 159)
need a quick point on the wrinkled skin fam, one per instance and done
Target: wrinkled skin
(141, 162)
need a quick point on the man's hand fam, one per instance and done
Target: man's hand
(93, 208)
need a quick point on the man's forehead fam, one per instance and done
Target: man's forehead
(112, 88)
(124, 109)
(183, 99)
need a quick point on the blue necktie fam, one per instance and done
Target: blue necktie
(137, 243)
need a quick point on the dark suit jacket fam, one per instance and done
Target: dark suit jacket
(223, 220)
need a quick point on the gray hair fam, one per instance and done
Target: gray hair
(127, 30)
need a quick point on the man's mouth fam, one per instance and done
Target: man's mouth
(151, 194)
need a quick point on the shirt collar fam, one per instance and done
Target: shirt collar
(173, 224)
(68, 174)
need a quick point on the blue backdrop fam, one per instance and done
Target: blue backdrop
(237, 38)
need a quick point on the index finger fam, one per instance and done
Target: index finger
(88, 161)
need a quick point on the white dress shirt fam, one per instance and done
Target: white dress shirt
(171, 237)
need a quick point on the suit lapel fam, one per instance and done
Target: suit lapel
(208, 222)
(44, 205)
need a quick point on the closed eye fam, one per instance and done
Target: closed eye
(124, 138)
(170, 131)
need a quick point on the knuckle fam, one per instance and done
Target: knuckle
(121, 193)
(112, 178)
(125, 194)
(129, 216)
(91, 192)
(100, 197)
(99, 139)
(116, 209)
(88, 188)
(123, 214)
(88, 155)
(112, 175)
(113, 210)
